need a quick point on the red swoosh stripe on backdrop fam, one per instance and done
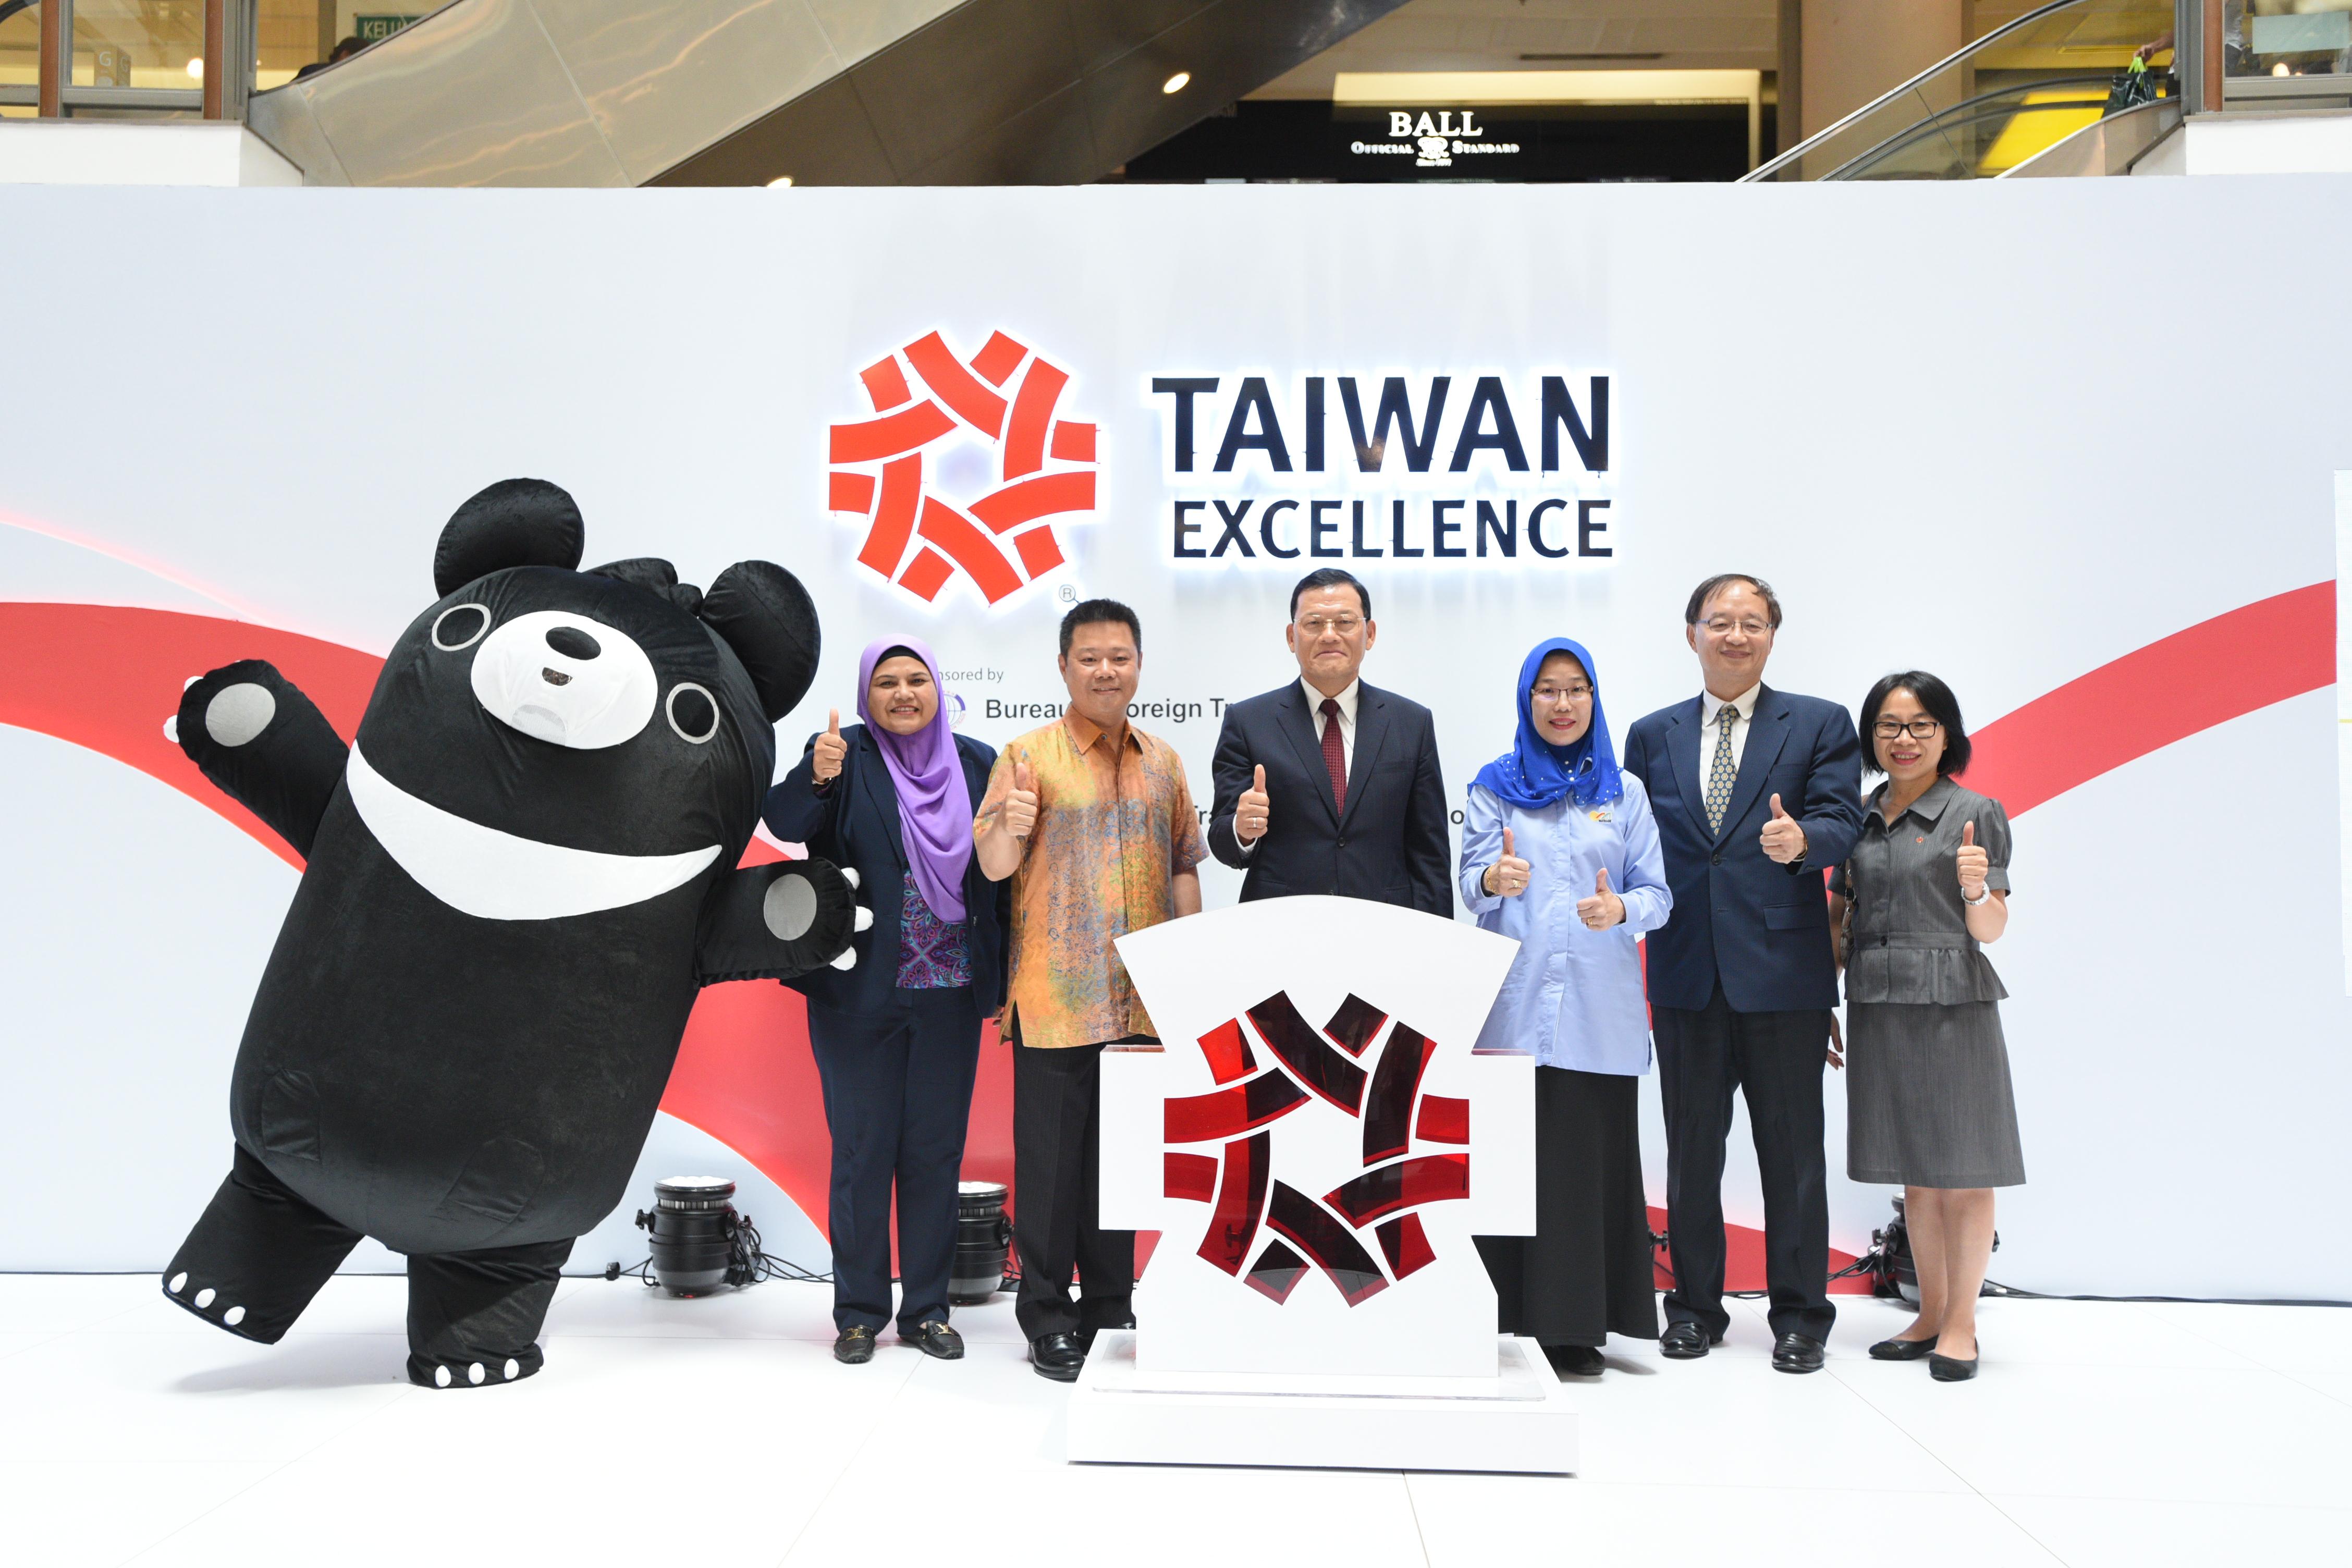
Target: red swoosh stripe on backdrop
(105, 678)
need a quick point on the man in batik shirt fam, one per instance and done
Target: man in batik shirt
(1094, 823)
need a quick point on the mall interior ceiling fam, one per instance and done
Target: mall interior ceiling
(774, 92)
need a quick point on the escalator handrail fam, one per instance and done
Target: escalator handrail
(1765, 171)
(1967, 111)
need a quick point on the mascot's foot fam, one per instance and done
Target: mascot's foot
(427, 1373)
(474, 1317)
(258, 1256)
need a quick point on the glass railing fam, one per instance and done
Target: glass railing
(2017, 91)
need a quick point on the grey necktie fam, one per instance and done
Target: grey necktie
(1725, 770)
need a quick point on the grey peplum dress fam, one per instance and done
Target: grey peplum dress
(1929, 1102)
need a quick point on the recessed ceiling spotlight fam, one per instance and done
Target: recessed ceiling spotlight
(780, 182)
(196, 68)
(1177, 83)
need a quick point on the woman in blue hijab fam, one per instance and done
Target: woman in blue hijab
(1559, 850)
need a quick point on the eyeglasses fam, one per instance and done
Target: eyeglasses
(1551, 694)
(1346, 626)
(1921, 729)
(1722, 626)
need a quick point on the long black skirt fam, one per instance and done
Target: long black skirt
(1586, 1273)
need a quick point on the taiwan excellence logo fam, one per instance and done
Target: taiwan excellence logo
(964, 467)
(1266, 1233)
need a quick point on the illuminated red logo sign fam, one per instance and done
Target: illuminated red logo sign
(963, 467)
(1269, 1234)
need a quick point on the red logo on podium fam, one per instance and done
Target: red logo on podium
(926, 400)
(1328, 1233)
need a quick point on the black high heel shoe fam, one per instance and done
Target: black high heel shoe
(1951, 1369)
(1902, 1350)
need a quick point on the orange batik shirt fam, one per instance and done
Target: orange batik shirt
(1113, 833)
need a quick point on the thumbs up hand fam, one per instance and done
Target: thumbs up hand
(826, 761)
(1021, 804)
(1250, 813)
(1974, 864)
(1783, 836)
(1508, 876)
(1603, 908)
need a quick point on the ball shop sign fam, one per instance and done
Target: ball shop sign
(1433, 141)
(1427, 470)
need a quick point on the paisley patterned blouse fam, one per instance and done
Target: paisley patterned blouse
(933, 954)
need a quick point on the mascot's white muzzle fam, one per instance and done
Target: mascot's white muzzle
(565, 679)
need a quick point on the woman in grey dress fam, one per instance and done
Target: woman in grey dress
(1928, 1094)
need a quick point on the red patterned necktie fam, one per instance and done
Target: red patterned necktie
(1334, 754)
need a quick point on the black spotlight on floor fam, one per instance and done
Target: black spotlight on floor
(983, 1234)
(693, 1227)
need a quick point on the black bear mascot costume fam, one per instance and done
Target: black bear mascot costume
(517, 880)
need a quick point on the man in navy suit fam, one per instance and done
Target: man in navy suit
(1328, 786)
(1757, 794)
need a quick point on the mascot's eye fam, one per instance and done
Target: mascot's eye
(460, 627)
(691, 712)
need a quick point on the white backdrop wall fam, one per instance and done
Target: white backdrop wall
(2006, 432)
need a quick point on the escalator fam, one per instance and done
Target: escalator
(736, 92)
(2032, 96)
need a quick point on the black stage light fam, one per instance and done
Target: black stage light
(982, 1233)
(1893, 1273)
(693, 1227)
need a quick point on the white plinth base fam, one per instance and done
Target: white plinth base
(1520, 1422)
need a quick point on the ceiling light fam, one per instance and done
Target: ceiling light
(1177, 83)
(780, 182)
(196, 68)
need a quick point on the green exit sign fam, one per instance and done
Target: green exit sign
(375, 29)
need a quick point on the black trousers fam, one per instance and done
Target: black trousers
(1056, 1196)
(898, 1097)
(1586, 1273)
(1776, 1059)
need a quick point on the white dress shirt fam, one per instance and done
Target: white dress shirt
(1347, 701)
(1711, 708)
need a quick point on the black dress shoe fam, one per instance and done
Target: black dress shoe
(1902, 1350)
(854, 1345)
(1575, 1361)
(934, 1339)
(1798, 1352)
(1058, 1356)
(1685, 1342)
(1952, 1368)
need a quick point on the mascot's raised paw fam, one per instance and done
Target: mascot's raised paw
(517, 881)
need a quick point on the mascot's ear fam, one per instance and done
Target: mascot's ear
(515, 522)
(766, 616)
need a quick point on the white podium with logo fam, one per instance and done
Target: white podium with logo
(1316, 1142)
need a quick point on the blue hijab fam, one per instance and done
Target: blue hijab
(1534, 773)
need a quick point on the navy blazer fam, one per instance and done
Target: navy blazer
(1391, 843)
(854, 821)
(1757, 926)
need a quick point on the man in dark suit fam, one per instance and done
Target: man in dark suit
(1327, 785)
(1757, 794)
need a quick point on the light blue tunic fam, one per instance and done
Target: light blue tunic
(1574, 995)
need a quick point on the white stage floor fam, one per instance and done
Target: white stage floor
(2097, 1434)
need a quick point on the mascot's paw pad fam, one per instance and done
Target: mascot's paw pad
(203, 1300)
(792, 905)
(474, 1373)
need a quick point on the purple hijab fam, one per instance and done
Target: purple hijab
(934, 804)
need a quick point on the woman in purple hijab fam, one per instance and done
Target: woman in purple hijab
(896, 1034)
